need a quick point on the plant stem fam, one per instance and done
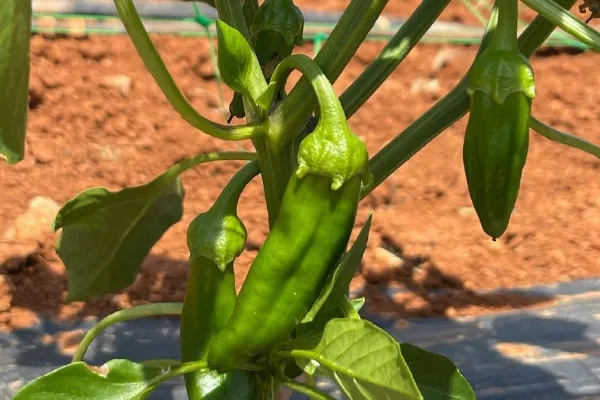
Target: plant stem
(556, 14)
(505, 36)
(307, 390)
(180, 369)
(299, 387)
(156, 66)
(336, 53)
(475, 11)
(409, 34)
(447, 111)
(348, 309)
(188, 163)
(563, 138)
(143, 311)
(272, 163)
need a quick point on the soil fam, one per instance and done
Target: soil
(98, 119)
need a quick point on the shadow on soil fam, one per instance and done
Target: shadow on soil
(505, 356)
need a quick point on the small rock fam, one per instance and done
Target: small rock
(14, 255)
(35, 222)
(77, 27)
(43, 153)
(387, 258)
(441, 59)
(120, 81)
(36, 92)
(205, 70)
(52, 81)
(6, 293)
(381, 266)
(467, 211)
(451, 311)
(494, 245)
(145, 143)
(428, 86)
(383, 22)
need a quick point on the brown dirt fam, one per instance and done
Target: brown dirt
(84, 132)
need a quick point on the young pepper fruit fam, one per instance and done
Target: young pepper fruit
(501, 88)
(308, 238)
(215, 239)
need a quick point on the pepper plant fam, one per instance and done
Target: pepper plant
(293, 320)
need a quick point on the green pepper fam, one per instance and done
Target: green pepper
(215, 238)
(501, 89)
(308, 237)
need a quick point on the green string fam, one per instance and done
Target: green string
(318, 42)
(206, 23)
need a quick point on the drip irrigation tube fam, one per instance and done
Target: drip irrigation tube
(100, 17)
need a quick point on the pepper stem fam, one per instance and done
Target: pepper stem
(505, 37)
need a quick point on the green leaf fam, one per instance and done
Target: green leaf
(106, 235)
(115, 380)
(363, 360)
(238, 65)
(15, 37)
(338, 284)
(437, 377)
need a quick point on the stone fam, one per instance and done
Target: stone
(36, 222)
(119, 81)
(14, 255)
(43, 153)
(382, 265)
(441, 59)
(428, 86)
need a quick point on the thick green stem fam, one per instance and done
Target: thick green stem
(505, 36)
(338, 50)
(447, 111)
(156, 66)
(143, 311)
(273, 164)
(392, 55)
